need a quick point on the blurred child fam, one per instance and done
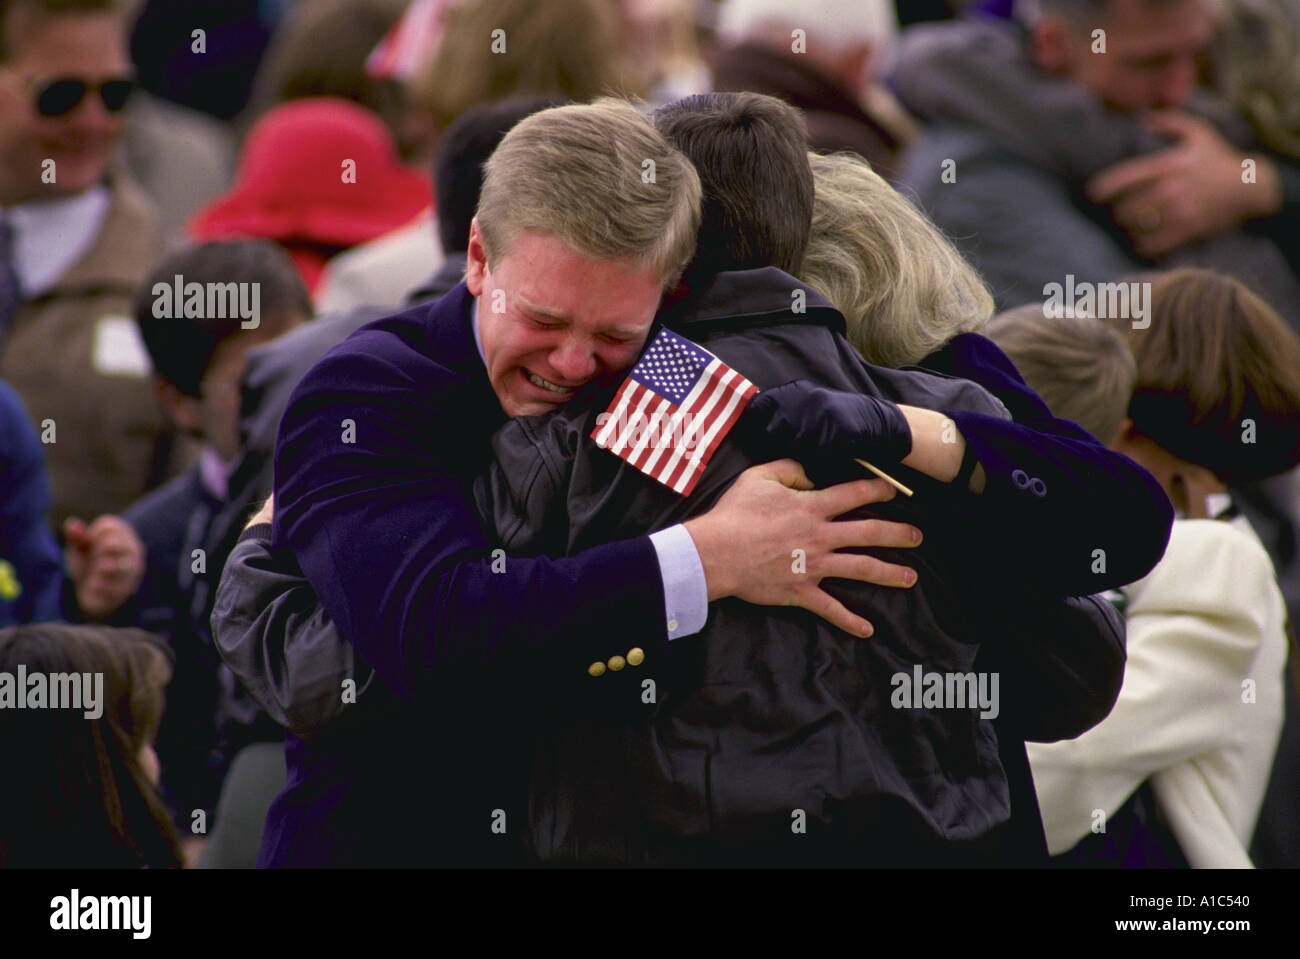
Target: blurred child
(1081, 367)
(1176, 773)
(197, 342)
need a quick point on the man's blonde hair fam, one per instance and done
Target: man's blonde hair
(903, 288)
(600, 178)
(1082, 368)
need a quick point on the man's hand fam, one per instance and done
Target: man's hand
(1189, 191)
(105, 562)
(747, 542)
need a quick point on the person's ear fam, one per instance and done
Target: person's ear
(182, 410)
(1049, 44)
(475, 260)
(1123, 435)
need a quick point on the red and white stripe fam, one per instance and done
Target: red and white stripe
(706, 415)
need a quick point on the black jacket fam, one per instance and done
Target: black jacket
(770, 736)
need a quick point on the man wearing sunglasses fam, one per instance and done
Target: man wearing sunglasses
(75, 239)
(63, 95)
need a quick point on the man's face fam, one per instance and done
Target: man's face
(1150, 53)
(551, 320)
(90, 47)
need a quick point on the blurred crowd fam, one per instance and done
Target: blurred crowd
(198, 200)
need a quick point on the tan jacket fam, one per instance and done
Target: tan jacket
(73, 355)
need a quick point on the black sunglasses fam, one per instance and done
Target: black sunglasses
(62, 95)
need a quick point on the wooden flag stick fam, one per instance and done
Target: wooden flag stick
(886, 477)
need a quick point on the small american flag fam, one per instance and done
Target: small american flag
(672, 411)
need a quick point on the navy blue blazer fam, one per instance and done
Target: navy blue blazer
(373, 470)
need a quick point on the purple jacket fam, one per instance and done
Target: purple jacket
(373, 470)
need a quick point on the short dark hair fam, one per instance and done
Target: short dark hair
(458, 165)
(52, 8)
(182, 347)
(751, 152)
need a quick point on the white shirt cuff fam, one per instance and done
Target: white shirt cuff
(686, 592)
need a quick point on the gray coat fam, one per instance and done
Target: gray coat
(1022, 143)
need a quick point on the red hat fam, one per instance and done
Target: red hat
(296, 185)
